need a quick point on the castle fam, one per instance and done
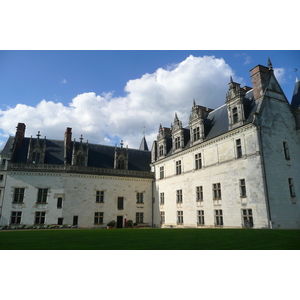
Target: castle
(236, 166)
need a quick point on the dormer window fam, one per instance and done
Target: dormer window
(36, 156)
(235, 116)
(177, 142)
(121, 164)
(80, 160)
(196, 134)
(161, 150)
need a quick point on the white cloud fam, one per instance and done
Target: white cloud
(280, 75)
(64, 81)
(151, 100)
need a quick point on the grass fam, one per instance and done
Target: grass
(151, 239)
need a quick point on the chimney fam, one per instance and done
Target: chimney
(20, 133)
(260, 76)
(67, 143)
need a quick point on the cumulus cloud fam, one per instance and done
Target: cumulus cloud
(64, 81)
(150, 100)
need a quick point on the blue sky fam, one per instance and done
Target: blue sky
(129, 86)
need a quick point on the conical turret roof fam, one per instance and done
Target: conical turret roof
(296, 95)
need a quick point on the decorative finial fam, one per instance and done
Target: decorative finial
(231, 81)
(270, 64)
(38, 135)
(121, 143)
(81, 138)
(194, 102)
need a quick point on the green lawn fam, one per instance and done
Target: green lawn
(150, 239)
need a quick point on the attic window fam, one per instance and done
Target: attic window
(80, 160)
(235, 116)
(121, 164)
(36, 156)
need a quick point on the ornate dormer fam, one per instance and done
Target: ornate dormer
(177, 134)
(164, 134)
(36, 151)
(121, 157)
(80, 155)
(196, 120)
(234, 101)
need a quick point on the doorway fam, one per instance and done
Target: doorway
(119, 221)
(75, 220)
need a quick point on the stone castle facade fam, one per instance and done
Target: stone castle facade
(236, 166)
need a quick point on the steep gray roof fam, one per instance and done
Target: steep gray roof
(99, 156)
(143, 145)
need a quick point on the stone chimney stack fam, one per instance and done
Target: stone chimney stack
(260, 76)
(20, 133)
(67, 144)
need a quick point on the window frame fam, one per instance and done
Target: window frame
(99, 196)
(161, 172)
(200, 217)
(162, 198)
(180, 217)
(139, 217)
(286, 150)
(16, 216)
(178, 167)
(179, 197)
(19, 194)
(239, 151)
(247, 217)
(243, 189)
(199, 193)
(219, 221)
(41, 217)
(292, 187)
(99, 217)
(217, 192)
(42, 195)
(140, 198)
(198, 161)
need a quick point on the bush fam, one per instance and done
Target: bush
(112, 223)
(129, 223)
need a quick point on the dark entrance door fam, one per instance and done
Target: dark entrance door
(119, 221)
(75, 220)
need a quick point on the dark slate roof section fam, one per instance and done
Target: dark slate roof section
(99, 156)
(143, 145)
(6, 148)
(296, 95)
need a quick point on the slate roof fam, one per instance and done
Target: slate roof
(216, 123)
(99, 156)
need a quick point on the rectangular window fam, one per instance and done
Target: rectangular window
(286, 150)
(161, 150)
(99, 196)
(179, 196)
(218, 217)
(198, 161)
(292, 187)
(178, 167)
(200, 217)
(3, 162)
(162, 217)
(42, 195)
(239, 152)
(161, 173)
(36, 157)
(19, 195)
(217, 191)
(177, 143)
(162, 198)
(40, 217)
(235, 116)
(15, 217)
(243, 188)
(199, 193)
(196, 134)
(247, 218)
(139, 198)
(180, 217)
(139, 218)
(120, 202)
(59, 202)
(98, 218)
(60, 221)
(1, 177)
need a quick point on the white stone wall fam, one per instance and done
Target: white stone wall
(79, 197)
(278, 126)
(219, 165)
